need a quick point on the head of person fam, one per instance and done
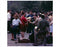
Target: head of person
(35, 17)
(23, 14)
(50, 17)
(30, 12)
(45, 14)
(21, 11)
(42, 16)
(16, 16)
(34, 13)
(51, 14)
(39, 15)
(9, 11)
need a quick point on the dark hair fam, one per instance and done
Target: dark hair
(36, 14)
(50, 14)
(16, 15)
(23, 13)
(42, 16)
(9, 10)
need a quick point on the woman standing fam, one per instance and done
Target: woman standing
(23, 25)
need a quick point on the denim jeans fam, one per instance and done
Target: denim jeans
(15, 30)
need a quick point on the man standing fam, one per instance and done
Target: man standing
(30, 26)
(9, 19)
(44, 28)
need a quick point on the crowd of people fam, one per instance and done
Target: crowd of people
(19, 23)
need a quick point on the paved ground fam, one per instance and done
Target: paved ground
(12, 43)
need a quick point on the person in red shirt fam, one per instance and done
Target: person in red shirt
(23, 25)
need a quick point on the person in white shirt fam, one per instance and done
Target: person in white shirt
(9, 16)
(9, 19)
(16, 22)
(15, 27)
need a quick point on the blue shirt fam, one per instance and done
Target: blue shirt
(30, 16)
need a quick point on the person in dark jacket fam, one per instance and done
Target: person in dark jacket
(44, 28)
